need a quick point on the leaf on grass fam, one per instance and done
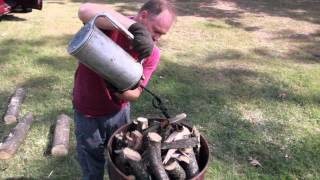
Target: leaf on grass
(254, 162)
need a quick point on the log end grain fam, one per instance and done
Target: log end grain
(9, 119)
(59, 150)
(4, 155)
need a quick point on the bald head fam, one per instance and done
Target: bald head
(155, 7)
(157, 16)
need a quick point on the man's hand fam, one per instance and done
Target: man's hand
(142, 42)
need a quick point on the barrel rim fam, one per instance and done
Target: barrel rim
(203, 141)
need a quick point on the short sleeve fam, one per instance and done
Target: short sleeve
(150, 65)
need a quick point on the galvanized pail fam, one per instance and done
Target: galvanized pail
(98, 52)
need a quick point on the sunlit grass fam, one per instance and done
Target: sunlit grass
(240, 80)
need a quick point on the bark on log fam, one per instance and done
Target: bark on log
(14, 106)
(154, 157)
(134, 160)
(10, 145)
(60, 143)
(175, 171)
(191, 168)
(182, 143)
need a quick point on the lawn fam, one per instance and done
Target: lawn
(245, 72)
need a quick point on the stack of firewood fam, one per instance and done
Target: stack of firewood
(151, 149)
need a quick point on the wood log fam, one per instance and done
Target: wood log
(195, 132)
(142, 123)
(165, 132)
(10, 145)
(119, 142)
(154, 157)
(191, 168)
(177, 135)
(137, 139)
(60, 143)
(175, 171)
(134, 160)
(13, 109)
(182, 143)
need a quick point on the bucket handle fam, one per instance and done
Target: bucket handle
(115, 24)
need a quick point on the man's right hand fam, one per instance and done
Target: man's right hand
(142, 42)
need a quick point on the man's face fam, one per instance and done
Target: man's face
(158, 25)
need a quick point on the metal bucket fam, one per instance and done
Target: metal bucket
(98, 52)
(116, 174)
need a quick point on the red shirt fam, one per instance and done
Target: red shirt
(91, 95)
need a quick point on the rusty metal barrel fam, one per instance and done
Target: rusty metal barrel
(116, 174)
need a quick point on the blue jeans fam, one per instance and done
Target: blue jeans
(92, 135)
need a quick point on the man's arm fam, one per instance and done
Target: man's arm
(89, 10)
(130, 95)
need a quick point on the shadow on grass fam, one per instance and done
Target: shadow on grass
(31, 47)
(305, 10)
(208, 96)
(9, 17)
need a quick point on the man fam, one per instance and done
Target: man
(99, 109)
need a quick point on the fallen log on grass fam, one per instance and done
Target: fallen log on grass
(14, 106)
(60, 143)
(10, 145)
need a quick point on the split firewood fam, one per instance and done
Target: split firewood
(14, 106)
(137, 139)
(182, 143)
(183, 158)
(10, 145)
(196, 134)
(175, 171)
(134, 161)
(191, 168)
(154, 157)
(119, 142)
(165, 132)
(60, 143)
(142, 123)
(177, 135)
(177, 118)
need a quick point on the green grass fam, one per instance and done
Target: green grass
(246, 73)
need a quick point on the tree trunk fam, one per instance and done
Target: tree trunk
(14, 106)
(60, 143)
(15, 138)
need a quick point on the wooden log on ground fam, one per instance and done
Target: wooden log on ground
(60, 143)
(14, 106)
(134, 160)
(10, 145)
(175, 171)
(191, 168)
(154, 157)
(182, 143)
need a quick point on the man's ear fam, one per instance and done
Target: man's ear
(144, 15)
